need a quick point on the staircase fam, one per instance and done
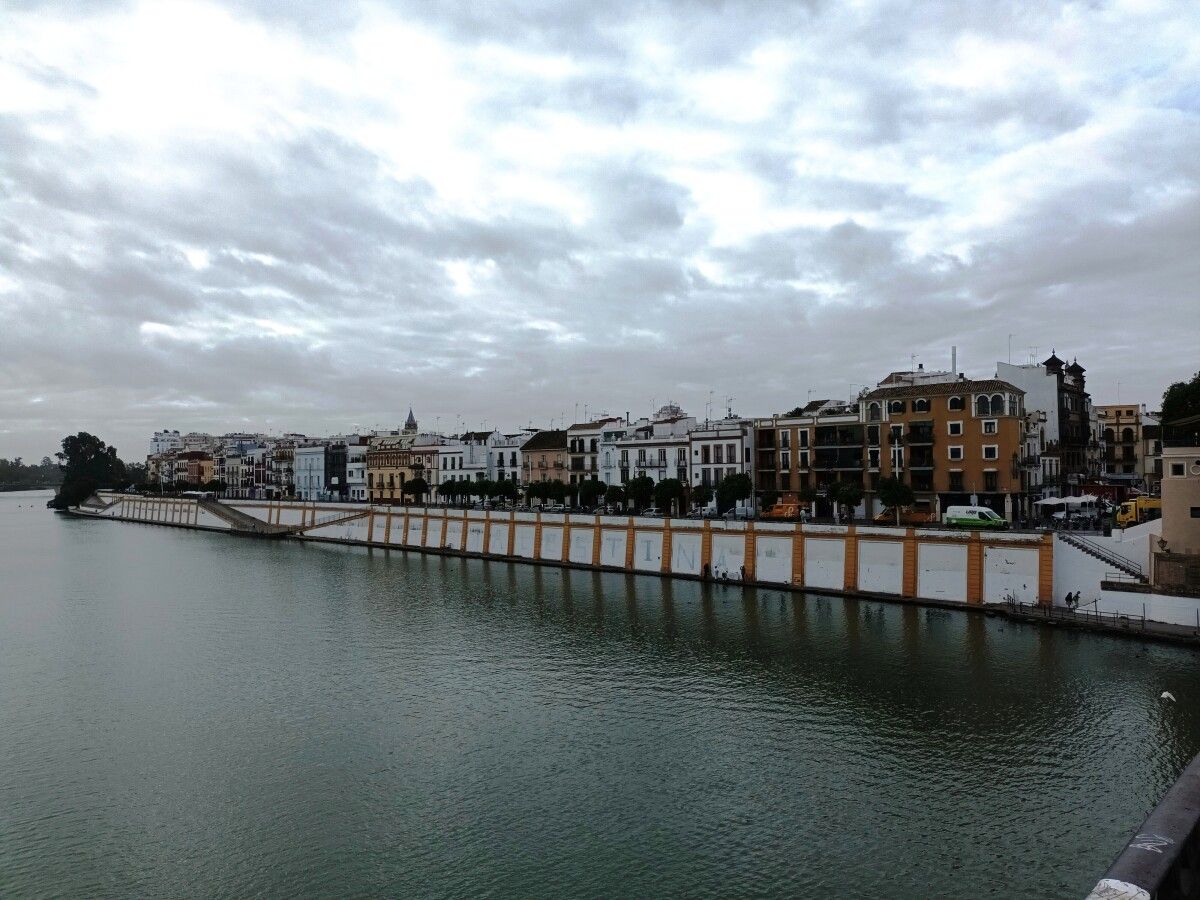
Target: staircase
(1091, 548)
(242, 522)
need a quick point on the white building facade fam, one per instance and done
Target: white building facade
(309, 472)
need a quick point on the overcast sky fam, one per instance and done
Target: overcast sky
(310, 215)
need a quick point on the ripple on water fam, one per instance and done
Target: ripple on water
(228, 717)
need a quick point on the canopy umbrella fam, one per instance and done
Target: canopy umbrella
(1050, 501)
(1085, 500)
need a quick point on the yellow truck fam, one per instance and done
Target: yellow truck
(1138, 510)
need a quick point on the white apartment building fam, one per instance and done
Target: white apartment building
(718, 449)
(356, 470)
(657, 448)
(309, 469)
(462, 458)
(504, 456)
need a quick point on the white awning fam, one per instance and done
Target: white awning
(1085, 500)
(1050, 501)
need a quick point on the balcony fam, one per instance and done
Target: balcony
(919, 436)
(847, 458)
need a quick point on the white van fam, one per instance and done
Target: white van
(972, 517)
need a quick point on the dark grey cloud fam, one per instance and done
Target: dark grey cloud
(529, 206)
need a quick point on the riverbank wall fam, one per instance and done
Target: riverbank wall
(968, 568)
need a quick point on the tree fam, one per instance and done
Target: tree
(1181, 399)
(795, 411)
(556, 491)
(769, 499)
(896, 495)
(639, 490)
(615, 495)
(87, 464)
(591, 491)
(507, 490)
(845, 493)
(666, 493)
(702, 495)
(418, 487)
(733, 488)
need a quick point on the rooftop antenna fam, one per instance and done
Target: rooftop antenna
(1010, 348)
(729, 407)
(708, 408)
(912, 362)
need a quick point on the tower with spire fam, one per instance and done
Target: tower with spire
(410, 424)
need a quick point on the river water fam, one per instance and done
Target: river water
(193, 714)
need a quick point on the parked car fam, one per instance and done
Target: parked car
(653, 512)
(920, 513)
(554, 508)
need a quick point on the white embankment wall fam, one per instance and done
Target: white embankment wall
(941, 566)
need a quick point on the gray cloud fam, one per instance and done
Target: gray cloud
(536, 205)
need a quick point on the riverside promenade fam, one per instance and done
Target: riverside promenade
(1006, 573)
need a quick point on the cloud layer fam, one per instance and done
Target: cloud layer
(221, 216)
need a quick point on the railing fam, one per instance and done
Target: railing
(1104, 554)
(1079, 615)
(1162, 859)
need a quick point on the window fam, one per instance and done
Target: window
(804, 437)
(990, 480)
(954, 428)
(1177, 470)
(921, 405)
(956, 481)
(1012, 404)
(896, 406)
(731, 452)
(873, 458)
(989, 426)
(956, 452)
(991, 451)
(873, 435)
(704, 457)
(662, 455)
(873, 412)
(1196, 512)
(997, 405)
(785, 439)
(981, 406)
(785, 459)
(954, 403)
(718, 454)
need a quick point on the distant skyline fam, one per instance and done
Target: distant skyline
(306, 216)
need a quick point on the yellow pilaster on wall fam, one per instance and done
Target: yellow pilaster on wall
(424, 529)
(751, 551)
(706, 548)
(910, 563)
(974, 568)
(798, 556)
(512, 534)
(597, 534)
(629, 545)
(850, 573)
(665, 566)
(566, 547)
(537, 537)
(387, 527)
(1046, 570)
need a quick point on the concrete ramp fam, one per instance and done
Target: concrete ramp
(330, 520)
(241, 522)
